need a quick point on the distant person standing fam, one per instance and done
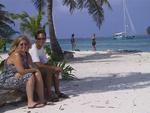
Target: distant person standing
(73, 42)
(94, 42)
(4, 48)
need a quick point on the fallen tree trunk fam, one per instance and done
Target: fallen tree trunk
(11, 96)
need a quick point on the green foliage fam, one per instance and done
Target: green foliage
(2, 43)
(48, 50)
(53, 56)
(5, 23)
(67, 69)
(94, 8)
(29, 24)
(1, 64)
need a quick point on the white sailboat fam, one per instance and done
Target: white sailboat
(128, 25)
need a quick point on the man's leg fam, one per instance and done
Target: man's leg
(56, 81)
(47, 81)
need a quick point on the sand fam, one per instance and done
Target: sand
(108, 82)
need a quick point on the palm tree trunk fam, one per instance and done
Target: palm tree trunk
(56, 49)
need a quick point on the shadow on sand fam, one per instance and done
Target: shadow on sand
(114, 82)
(100, 57)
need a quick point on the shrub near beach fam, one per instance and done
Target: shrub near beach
(67, 69)
(1, 64)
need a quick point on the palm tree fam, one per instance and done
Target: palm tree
(55, 47)
(6, 34)
(29, 24)
(6, 30)
(5, 23)
(94, 8)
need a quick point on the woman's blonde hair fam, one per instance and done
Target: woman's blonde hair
(16, 42)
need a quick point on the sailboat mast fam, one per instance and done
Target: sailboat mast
(124, 17)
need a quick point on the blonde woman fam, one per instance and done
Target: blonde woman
(20, 74)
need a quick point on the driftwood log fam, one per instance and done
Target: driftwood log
(11, 96)
(68, 54)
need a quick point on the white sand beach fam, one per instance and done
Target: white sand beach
(108, 83)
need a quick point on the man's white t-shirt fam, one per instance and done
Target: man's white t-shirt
(38, 55)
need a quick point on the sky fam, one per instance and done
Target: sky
(82, 24)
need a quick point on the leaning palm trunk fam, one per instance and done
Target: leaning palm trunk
(56, 49)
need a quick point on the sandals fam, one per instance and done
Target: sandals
(62, 95)
(53, 98)
(37, 105)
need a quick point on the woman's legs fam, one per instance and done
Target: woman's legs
(30, 91)
(39, 87)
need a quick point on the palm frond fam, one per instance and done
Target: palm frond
(94, 8)
(72, 4)
(6, 31)
(1, 6)
(96, 11)
(29, 24)
(39, 4)
(102, 2)
(5, 18)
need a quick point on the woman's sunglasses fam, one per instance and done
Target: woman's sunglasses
(21, 44)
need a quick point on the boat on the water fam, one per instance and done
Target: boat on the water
(121, 35)
(129, 30)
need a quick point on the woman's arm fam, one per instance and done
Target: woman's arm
(30, 61)
(17, 61)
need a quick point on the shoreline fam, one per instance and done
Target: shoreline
(4, 55)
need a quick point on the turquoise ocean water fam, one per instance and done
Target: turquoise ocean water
(139, 43)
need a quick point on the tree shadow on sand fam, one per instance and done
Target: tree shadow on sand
(113, 82)
(95, 57)
(14, 105)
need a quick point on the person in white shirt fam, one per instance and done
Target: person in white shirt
(49, 73)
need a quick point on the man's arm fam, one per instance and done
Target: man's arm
(42, 65)
(52, 69)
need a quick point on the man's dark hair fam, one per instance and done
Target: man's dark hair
(38, 32)
(72, 34)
